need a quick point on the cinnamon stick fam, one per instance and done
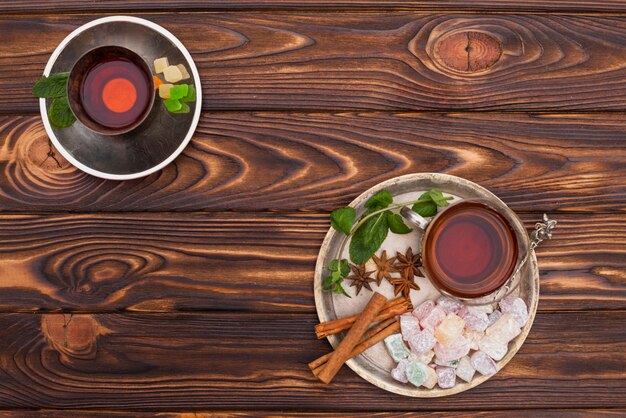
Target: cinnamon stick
(369, 334)
(352, 338)
(399, 307)
(372, 337)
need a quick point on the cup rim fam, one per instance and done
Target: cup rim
(91, 124)
(523, 252)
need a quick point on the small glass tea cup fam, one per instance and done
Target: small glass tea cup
(521, 247)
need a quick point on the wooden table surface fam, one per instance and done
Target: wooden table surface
(191, 290)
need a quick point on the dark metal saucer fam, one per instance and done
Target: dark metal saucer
(160, 138)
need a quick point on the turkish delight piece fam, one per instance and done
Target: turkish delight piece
(483, 363)
(422, 341)
(473, 337)
(477, 321)
(465, 370)
(409, 326)
(504, 329)
(172, 74)
(516, 307)
(399, 373)
(424, 309)
(449, 329)
(452, 363)
(446, 377)
(492, 347)
(431, 378)
(456, 350)
(493, 317)
(160, 64)
(396, 348)
(164, 90)
(183, 71)
(424, 357)
(433, 318)
(448, 304)
(416, 373)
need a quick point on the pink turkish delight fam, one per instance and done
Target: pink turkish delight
(422, 341)
(477, 321)
(409, 326)
(483, 363)
(448, 304)
(459, 348)
(446, 377)
(399, 373)
(423, 310)
(434, 318)
(516, 307)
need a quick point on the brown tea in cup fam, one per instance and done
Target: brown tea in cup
(469, 250)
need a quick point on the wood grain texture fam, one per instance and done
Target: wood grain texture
(245, 262)
(362, 60)
(313, 161)
(509, 413)
(238, 361)
(26, 6)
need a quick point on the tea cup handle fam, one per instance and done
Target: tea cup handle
(414, 218)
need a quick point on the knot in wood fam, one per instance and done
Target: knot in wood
(468, 51)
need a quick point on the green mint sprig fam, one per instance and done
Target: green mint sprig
(372, 229)
(55, 87)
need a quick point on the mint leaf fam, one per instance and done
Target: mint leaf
(368, 238)
(426, 209)
(342, 219)
(51, 87)
(380, 200)
(437, 197)
(338, 271)
(60, 114)
(396, 224)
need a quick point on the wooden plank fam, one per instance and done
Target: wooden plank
(547, 413)
(364, 60)
(25, 6)
(246, 262)
(238, 362)
(314, 161)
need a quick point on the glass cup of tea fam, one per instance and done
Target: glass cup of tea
(111, 90)
(473, 250)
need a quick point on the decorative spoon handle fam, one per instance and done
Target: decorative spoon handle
(543, 231)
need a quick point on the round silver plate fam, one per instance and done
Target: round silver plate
(374, 365)
(160, 138)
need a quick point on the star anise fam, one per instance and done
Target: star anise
(404, 284)
(360, 278)
(408, 263)
(385, 267)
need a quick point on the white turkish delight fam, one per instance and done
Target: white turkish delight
(465, 370)
(399, 372)
(433, 318)
(456, 350)
(492, 347)
(504, 329)
(424, 309)
(448, 304)
(516, 307)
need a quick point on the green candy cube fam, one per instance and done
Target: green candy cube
(178, 92)
(191, 95)
(183, 109)
(173, 105)
(396, 347)
(417, 373)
